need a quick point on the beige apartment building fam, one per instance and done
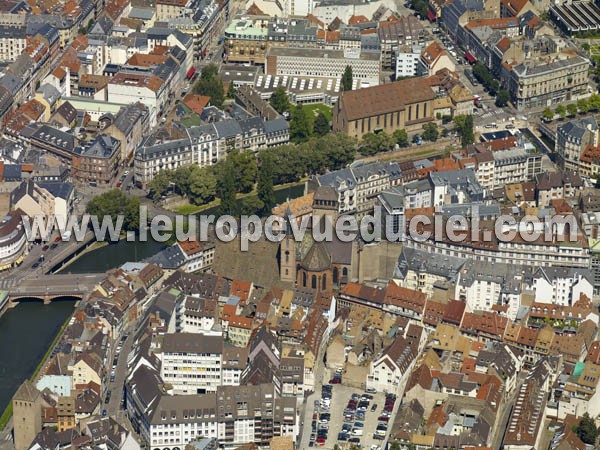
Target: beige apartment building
(539, 84)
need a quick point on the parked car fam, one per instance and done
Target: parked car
(374, 407)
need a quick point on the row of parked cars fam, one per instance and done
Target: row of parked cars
(384, 417)
(321, 417)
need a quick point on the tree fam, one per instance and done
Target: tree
(464, 126)
(347, 79)
(561, 111)
(159, 185)
(587, 430)
(226, 189)
(502, 98)
(583, 105)
(493, 87)
(265, 191)
(374, 143)
(231, 91)
(115, 203)
(594, 102)
(210, 84)
(430, 132)
(321, 127)
(572, 109)
(279, 100)
(400, 137)
(202, 185)
(250, 205)
(300, 125)
(244, 170)
(547, 114)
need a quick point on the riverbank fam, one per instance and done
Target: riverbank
(95, 246)
(7, 414)
(27, 358)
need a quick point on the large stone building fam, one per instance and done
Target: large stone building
(405, 104)
(536, 84)
(572, 138)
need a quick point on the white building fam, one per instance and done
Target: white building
(197, 315)
(482, 285)
(191, 363)
(390, 370)
(13, 240)
(408, 61)
(562, 285)
(125, 88)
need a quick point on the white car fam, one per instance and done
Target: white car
(357, 432)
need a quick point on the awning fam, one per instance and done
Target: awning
(470, 58)
(431, 16)
(191, 72)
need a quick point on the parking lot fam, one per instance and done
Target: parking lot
(357, 428)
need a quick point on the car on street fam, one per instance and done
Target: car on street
(374, 407)
(45, 248)
(35, 265)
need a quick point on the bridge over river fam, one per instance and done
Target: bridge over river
(52, 286)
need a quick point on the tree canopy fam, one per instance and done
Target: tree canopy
(265, 191)
(430, 132)
(211, 85)
(113, 204)
(287, 164)
(301, 125)
(547, 114)
(502, 98)
(347, 79)
(587, 430)
(373, 143)
(400, 137)
(464, 127)
(279, 100)
(321, 126)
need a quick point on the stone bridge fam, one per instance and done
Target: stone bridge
(52, 286)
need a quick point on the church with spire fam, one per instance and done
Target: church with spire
(326, 265)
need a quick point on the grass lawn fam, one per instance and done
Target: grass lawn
(315, 108)
(191, 209)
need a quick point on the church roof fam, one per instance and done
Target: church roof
(317, 258)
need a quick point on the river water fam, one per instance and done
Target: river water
(25, 334)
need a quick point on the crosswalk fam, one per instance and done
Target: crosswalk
(7, 283)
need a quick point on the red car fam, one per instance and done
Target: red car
(58, 239)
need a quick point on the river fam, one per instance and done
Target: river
(25, 333)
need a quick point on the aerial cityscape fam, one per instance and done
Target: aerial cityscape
(285, 224)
